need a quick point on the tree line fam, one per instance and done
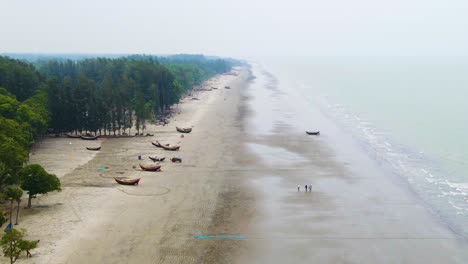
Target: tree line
(24, 116)
(109, 96)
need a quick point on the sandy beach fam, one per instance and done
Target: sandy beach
(233, 199)
(95, 220)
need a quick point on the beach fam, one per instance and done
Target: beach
(95, 220)
(234, 197)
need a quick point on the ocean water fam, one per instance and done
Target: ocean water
(408, 113)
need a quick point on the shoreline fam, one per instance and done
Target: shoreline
(356, 212)
(241, 165)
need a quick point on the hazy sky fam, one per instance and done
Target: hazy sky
(239, 28)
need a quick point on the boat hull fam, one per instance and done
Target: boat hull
(150, 168)
(127, 182)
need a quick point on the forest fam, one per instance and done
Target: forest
(98, 95)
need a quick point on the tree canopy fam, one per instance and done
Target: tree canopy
(13, 243)
(35, 180)
(111, 95)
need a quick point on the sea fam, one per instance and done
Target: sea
(409, 114)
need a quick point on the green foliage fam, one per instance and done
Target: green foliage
(13, 244)
(10, 243)
(12, 193)
(3, 218)
(8, 104)
(35, 180)
(20, 123)
(27, 245)
(115, 94)
(20, 78)
(12, 155)
(12, 129)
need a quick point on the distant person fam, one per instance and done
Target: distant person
(310, 187)
(305, 187)
(298, 187)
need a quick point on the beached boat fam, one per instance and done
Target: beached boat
(184, 129)
(171, 148)
(127, 181)
(72, 136)
(313, 133)
(89, 138)
(155, 159)
(159, 145)
(93, 148)
(150, 167)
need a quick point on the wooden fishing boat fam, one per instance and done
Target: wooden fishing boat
(316, 133)
(150, 168)
(127, 181)
(155, 159)
(89, 138)
(184, 129)
(171, 148)
(159, 145)
(72, 136)
(94, 148)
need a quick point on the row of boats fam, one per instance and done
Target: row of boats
(154, 168)
(91, 137)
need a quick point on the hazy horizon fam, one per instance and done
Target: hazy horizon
(239, 29)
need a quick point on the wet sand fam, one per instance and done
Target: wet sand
(357, 211)
(241, 165)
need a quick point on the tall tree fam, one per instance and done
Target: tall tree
(12, 193)
(10, 244)
(35, 180)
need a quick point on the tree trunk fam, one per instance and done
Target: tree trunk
(11, 252)
(11, 212)
(17, 211)
(29, 201)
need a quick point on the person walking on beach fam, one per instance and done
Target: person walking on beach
(305, 187)
(298, 187)
(310, 187)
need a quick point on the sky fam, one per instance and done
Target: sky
(237, 28)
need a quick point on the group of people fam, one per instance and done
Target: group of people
(306, 187)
